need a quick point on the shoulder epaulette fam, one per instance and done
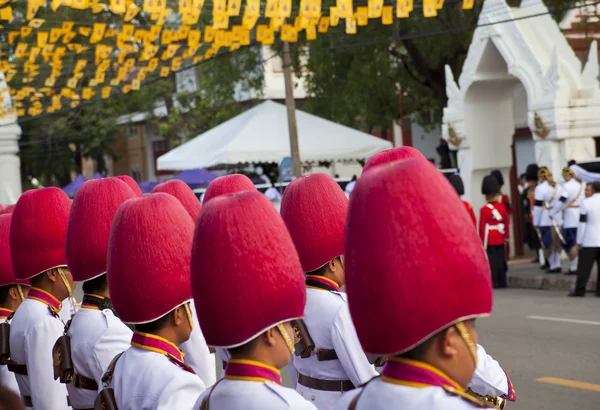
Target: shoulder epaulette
(467, 397)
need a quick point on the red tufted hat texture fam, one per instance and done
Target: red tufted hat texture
(391, 155)
(414, 263)
(8, 210)
(246, 275)
(149, 258)
(314, 209)
(228, 184)
(38, 231)
(93, 210)
(131, 183)
(7, 275)
(183, 193)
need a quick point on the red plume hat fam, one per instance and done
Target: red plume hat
(131, 183)
(93, 210)
(149, 258)
(314, 209)
(7, 275)
(391, 155)
(38, 231)
(183, 193)
(228, 184)
(414, 263)
(246, 275)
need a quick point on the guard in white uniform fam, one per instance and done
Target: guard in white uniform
(37, 238)
(197, 354)
(330, 360)
(423, 318)
(148, 278)
(572, 195)
(588, 240)
(547, 217)
(96, 333)
(12, 293)
(246, 304)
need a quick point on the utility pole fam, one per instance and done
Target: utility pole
(291, 111)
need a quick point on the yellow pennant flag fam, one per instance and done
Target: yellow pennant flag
(233, 7)
(12, 36)
(245, 37)
(429, 8)
(55, 34)
(97, 32)
(185, 6)
(67, 26)
(271, 8)
(55, 4)
(285, 8)
(32, 10)
(99, 8)
(42, 38)
(351, 26)
(126, 88)
(135, 85)
(402, 9)
(176, 64)
(221, 21)
(260, 32)
(311, 33)
(345, 8)
(140, 35)
(127, 31)
(85, 31)
(387, 16)
(252, 8)
(468, 4)
(106, 92)
(315, 9)
(67, 37)
(269, 37)
(161, 6)
(334, 16)
(25, 31)
(132, 11)
(80, 4)
(362, 18)
(162, 18)
(439, 4)
(6, 14)
(219, 7)
(249, 21)
(80, 65)
(323, 24)
(166, 37)
(100, 78)
(35, 52)
(375, 8)
(153, 64)
(149, 6)
(209, 34)
(276, 23)
(36, 23)
(87, 93)
(154, 32)
(72, 83)
(183, 33)
(194, 38)
(197, 59)
(169, 52)
(118, 6)
(164, 72)
(304, 8)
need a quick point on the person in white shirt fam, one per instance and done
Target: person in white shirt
(37, 238)
(572, 195)
(350, 186)
(588, 240)
(148, 272)
(12, 293)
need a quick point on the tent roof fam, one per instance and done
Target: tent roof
(72, 188)
(261, 135)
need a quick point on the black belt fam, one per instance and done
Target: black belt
(17, 368)
(29, 403)
(82, 382)
(325, 385)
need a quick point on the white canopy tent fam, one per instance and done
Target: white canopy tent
(261, 135)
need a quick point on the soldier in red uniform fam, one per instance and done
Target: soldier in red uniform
(493, 230)
(504, 200)
(456, 181)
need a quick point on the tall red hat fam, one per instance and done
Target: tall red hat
(93, 210)
(414, 263)
(183, 193)
(149, 258)
(38, 231)
(131, 183)
(8, 210)
(391, 155)
(228, 184)
(7, 275)
(314, 209)
(261, 283)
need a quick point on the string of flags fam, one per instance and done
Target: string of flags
(52, 64)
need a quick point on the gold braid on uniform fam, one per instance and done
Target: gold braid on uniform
(495, 402)
(544, 174)
(568, 173)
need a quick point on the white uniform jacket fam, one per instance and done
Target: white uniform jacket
(7, 378)
(197, 355)
(588, 233)
(573, 192)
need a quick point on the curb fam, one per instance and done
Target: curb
(546, 282)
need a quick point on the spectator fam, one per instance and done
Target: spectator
(522, 183)
(9, 400)
(350, 186)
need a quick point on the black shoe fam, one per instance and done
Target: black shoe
(574, 294)
(557, 270)
(571, 273)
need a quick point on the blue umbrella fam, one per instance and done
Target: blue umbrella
(73, 187)
(97, 175)
(195, 177)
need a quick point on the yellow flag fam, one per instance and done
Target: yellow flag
(32, 11)
(221, 21)
(185, 6)
(194, 38)
(55, 4)
(439, 4)
(87, 93)
(219, 7)
(170, 51)
(183, 33)
(67, 37)
(126, 88)
(285, 8)
(79, 4)
(139, 35)
(311, 33)
(304, 8)
(197, 59)
(164, 72)
(127, 31)
(269, 37)
(362, 18)
(153, 64)
(42, 38)
(315, 9)
(334, 16)
(25, 31)
(115, 81)
(72, 83)
(163, 16)
(6, 14)
(35, 52)
(260, 32)
(55, 34)
(80, 65)
(209, 34)
(252, 8)
(345, 8)
(67, 26)
(323, 24)
(154, 32)
(12, 36)
(468, 4)
(85, 31)
(233, 7)
(375, 8)
(132, 11)
(36, 23)
(249, 21)
(219, 37)
(97, 32)
(99, 8)
(245, 37)
(276, 23)
(135, 85)
(149, 6)
(161, 6)
(166, 37)
(429, 9)
(271, 8)
(351, 26)
(402, 9)
(387, 16)
(106, 92)
(176, 64)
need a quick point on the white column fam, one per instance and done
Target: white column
(10, 164)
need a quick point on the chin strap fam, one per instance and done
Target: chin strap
(464, 334)
(286, 338)
(20, 290)
(188, 313)
(61, 273)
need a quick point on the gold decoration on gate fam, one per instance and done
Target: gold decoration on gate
(540, 129)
